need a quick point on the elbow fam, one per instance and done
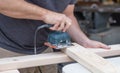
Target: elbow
(2, 5)
(1, 2)
(5, 5)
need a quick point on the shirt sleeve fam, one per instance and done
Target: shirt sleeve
(73, 1)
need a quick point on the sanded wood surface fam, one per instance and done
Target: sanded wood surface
(48, 58)
(90, 60)
(11, 71)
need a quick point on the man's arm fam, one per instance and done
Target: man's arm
(21, 9)
(24, 10)
(76, 33)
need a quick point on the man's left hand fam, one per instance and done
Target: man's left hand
(95, 44)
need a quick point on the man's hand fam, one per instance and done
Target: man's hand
(60, 21)
(76, 33)
(22, 9)
(88, 44)
(95, 44)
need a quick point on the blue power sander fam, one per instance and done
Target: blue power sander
(58, 39)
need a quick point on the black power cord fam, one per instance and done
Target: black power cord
(35, 36)
(40, 70)
(35, 39)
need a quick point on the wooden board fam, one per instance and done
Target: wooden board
(32, 60)
(48, 58)
(11, 71)
(90, 60)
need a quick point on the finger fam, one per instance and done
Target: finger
(104, 46)
(66, 26)
(49, 45)
(61, 27)
(55, 27)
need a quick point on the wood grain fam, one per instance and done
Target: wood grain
(90, 60)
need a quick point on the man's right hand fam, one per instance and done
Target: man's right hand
(60, 21)
(21, 9)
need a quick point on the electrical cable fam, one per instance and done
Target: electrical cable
(35, 39)
(40, 70)
(35, 36)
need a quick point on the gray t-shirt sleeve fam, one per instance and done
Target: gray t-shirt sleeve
(73, 1)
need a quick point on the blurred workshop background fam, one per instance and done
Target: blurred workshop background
(100, 19)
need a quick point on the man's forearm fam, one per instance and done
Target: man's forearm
(22, 9)
(74, 30)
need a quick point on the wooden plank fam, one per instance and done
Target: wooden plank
(90, 60)
(11, 71)
(32, 60)
(48, 58)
